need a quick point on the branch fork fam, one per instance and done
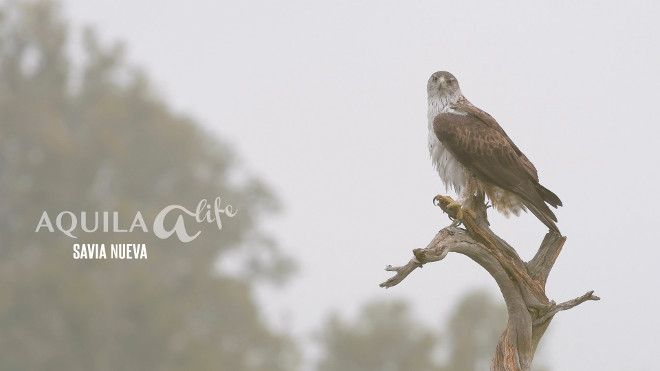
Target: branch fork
(522, 283)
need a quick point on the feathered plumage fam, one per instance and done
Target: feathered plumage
(472, 153)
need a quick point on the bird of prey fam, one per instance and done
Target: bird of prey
(472, 154)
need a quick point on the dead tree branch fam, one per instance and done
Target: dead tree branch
(522, 284)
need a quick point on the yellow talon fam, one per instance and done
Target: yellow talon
(442, 199)
(459, 209)
(449, 203)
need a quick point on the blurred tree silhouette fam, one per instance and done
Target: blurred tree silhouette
(88, 134)
(473, 331)
(385, 337)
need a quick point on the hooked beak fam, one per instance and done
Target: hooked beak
(441, 83)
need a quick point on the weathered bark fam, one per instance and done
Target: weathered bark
(522, 284)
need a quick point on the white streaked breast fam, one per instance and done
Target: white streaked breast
(450, 170)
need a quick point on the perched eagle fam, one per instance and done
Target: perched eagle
(472, 153)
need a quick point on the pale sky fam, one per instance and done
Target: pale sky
(327, 102)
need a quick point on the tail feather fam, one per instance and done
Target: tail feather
(535, 197)
(546, 216)
(548, 196)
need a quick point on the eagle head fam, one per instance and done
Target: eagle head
(443, 86)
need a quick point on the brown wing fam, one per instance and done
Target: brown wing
(489, 121)
(483, 147)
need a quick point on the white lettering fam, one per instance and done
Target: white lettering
(45, 222)
(139, 221)
(72, 226)
(179, 226)
(83, 222)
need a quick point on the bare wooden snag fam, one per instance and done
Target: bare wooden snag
(522, 283)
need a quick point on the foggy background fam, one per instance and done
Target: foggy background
(325, 103)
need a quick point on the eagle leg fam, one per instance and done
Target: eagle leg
(453, 208)
(455, 223)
